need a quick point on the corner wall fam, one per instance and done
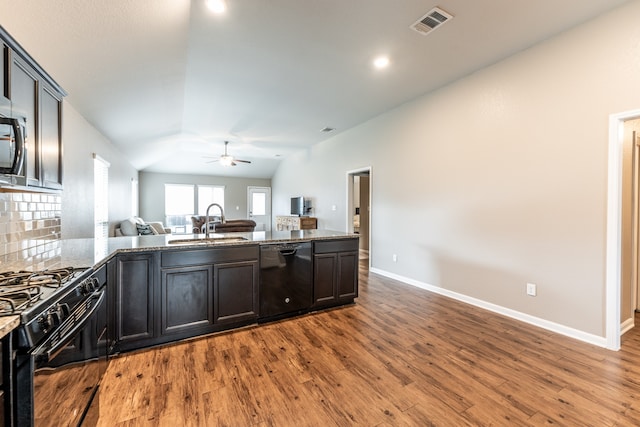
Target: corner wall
(80, 141)
(496, 180)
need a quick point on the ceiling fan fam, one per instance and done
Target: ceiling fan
(228, 160)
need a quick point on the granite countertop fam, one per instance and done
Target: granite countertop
(87, 253)
(8, 324)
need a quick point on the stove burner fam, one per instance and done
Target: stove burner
(22, 289)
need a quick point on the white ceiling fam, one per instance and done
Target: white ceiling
(168, 82)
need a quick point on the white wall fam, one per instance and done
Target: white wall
(80, 141)
(235, 193)
(496, 180)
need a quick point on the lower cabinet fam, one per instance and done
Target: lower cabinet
(133, 314)
(167, 295)
(186, 299)
(335, 272)
(236, 291)
(174, 294)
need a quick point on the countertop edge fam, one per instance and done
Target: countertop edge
(8, 324)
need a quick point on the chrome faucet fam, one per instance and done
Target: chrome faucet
(206, 218)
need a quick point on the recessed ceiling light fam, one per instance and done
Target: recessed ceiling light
(217, 6)
(381, 62)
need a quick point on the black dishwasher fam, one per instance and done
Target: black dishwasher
(285, 280)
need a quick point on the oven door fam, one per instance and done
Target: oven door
(67, 367)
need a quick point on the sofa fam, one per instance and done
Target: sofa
(136, 226)
(217, 226)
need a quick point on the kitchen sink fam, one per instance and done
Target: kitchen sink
(207, 240)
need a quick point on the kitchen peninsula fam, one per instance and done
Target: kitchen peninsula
(163, 288)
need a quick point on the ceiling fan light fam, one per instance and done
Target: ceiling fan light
(226, 160)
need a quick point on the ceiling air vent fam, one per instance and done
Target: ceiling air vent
(432, 20)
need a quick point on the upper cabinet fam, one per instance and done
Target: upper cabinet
(36, 99)
(50, 137)
(23, 91)
(5, 104)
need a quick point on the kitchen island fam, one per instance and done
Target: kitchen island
(167, 288)
(164, 288)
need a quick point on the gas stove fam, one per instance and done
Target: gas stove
(61, 340)
(43, 299)
(22, 290)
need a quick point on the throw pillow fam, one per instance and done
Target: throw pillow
(128, 227)
(144, 229)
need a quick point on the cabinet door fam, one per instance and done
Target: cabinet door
(324, 278)
(347, 275)
(51, 138)
(134, 307)
(4, 77)
(187, 298)
(236, 291)
(24, 101)
(308, 223)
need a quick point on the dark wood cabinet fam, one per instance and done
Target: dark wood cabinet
(5, 104)
(186, 298)
(23, 91)
(219, 286)
(168, 295)
(134, 323)
(236, 291)
(30, 94)
(174, 294)
(50, 137)
(335, 272)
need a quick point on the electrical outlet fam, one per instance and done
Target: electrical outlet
(395, 258)
(532, 289)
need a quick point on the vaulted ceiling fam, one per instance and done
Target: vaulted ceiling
(168, 82)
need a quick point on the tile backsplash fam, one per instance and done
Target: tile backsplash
(30, 227)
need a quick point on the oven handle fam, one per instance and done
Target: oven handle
(44, 354)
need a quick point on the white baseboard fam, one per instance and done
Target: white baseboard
(626, 326)
(532, 320)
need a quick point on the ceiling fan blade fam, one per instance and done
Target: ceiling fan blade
(241, 161)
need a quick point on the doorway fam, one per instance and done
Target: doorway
(359, 211)
(630, 223)
(614, 283)
(259, 207)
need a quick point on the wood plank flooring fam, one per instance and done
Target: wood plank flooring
(400, 356)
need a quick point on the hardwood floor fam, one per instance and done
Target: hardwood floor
(400, 356)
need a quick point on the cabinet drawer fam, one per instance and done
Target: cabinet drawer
(209, 256)
(323, 247)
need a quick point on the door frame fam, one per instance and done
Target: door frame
(613, 282)
(349, 215)
(634, 221)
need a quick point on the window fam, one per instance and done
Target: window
(208, 194)
(101, 197)
(178, 205)
(182, 201)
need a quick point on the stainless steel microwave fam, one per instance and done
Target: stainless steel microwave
(12, 145)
